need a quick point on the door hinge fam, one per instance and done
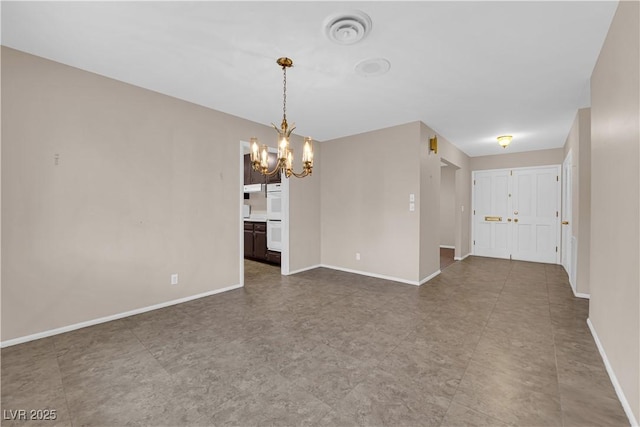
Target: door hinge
(556, 249)
(474, 182)
(556, 214)
(511, 173)
(557, 178)
(510, 257)
(474, 211)
(474, 243)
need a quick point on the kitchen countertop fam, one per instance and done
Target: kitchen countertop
(257, 218)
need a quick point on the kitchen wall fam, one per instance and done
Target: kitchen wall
(518, 160)
(365, 202)
(447, 205)
(615, 203)
(579, 143)
(108, 189)
(257, 201)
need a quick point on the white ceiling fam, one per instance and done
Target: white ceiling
(470, 70)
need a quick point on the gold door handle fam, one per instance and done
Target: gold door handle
(565, 222)
(515, 220)
(508, 219)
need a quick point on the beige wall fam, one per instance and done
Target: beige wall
(518, 160)
(365, 202)
(615, 200)
(447, 205)
(579, 144)
(304, 211)
(429, 230)
(145, 186)
(430, 201)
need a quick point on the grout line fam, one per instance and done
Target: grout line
(64, 391)
(555, 351)
(504, 284)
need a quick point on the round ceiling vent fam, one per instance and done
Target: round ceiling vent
(347, 28)
(373, 67)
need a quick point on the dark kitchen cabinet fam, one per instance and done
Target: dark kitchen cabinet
(247, 169)
(274, 257)
(260, 241)
(255, 243)
(255, 177)
(248, 240)
(251, 176)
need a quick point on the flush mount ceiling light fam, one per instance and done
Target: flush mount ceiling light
(373, 67)
(347, 28)
(504, 140)
(260, 154)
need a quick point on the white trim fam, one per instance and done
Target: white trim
(93, 322)
(243, 145)
(461, 258)
(426, 279)
(300, 270)
(447, 247)
(581, 295)
(366, 273)
(612, 376)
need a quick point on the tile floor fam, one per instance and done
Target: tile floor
(488, 342)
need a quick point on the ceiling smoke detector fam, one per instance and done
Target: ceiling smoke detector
(347, 28)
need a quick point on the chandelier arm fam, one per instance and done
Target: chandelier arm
(300, 175)
(264, 171)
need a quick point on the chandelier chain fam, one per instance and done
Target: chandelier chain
(284, 93)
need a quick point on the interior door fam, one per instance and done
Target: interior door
(491, 211)
(534, 201)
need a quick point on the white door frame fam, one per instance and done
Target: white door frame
(566, 232)
(284, 266)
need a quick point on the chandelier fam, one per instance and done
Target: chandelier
(284, 165)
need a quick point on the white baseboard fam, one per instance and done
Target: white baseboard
(377, 276)
(581, 295)
(300, 270)
(447, 247)
(426, 279)
(92, 322)
(612, 376)
(462, 257)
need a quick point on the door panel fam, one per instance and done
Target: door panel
(491, 192)
(535, 206)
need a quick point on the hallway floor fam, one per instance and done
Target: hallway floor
(488, 342)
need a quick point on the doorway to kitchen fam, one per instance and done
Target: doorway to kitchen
(263, 213)
(448, 219)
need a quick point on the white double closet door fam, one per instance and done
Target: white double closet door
(516, 214)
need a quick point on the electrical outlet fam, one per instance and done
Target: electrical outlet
(174, 279)
(357, 256)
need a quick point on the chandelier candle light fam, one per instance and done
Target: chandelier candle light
(260, 154)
